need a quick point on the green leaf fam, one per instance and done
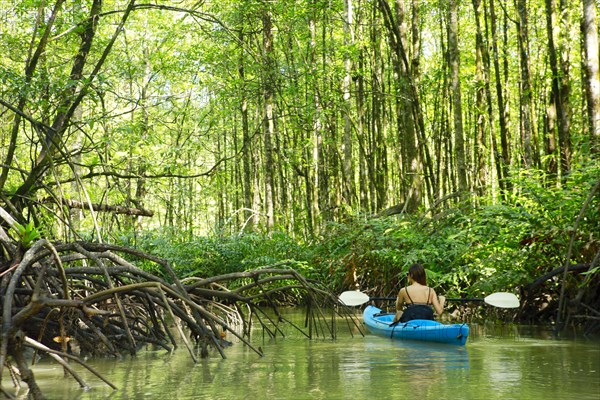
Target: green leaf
(27, 234)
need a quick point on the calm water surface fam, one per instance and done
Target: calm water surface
(497, 363)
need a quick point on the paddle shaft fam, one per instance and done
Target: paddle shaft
(499, 299)
(466, 299)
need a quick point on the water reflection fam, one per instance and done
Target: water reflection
(410, 367)
(496, 363)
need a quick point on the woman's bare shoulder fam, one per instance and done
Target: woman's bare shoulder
(432, 293)
(402, 292)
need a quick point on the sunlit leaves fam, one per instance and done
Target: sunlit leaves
(27, 233)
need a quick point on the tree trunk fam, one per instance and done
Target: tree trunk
(526, 122)
(480, 148)
(378, 153)
(560, 86)
(268, 117)
(590, 32)
(317, 132)
(454, 63)
(411, 163)
(360, 134)
(246, 142)
(502, 157)
(376, 126)
(349, 191)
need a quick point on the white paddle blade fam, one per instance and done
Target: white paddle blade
(502, 300)
(353, 298)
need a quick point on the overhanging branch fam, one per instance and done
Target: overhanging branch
(101, 207)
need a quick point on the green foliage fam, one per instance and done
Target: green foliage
(166, 105)
(466, 251)
(27, 234)
(476, 251)
(381, 250)
(211, 256)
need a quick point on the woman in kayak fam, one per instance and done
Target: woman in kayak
(418, 298)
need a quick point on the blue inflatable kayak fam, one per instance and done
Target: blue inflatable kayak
(380, 323)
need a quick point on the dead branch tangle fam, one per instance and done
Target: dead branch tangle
(81, 299)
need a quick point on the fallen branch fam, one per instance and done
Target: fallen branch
(572, 268)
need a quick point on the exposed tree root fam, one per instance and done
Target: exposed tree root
(77, 300)
(540, 298)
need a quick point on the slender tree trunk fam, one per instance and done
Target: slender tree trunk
(360, 134)
(552, 108)
(550, 138)
(378, 151)
(526, 122)
(454, 63)
(376, 126)
(269, 117)
(443, 145)
(411, 163)
(328, 158)
(246, 142)
(503, 159)
(317, 130)
(415, 69)
(560, 86)
(349, 192)
(221, 187)
(418, 159)
(237, 203)
(482, 124)
(408, 125)
(592, 74)
(144, 132)
(495, 155)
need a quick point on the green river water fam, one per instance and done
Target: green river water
(498, 362)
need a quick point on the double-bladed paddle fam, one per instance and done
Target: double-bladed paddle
(498, 299)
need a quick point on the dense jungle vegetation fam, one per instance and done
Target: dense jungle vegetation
(343, 139)
(351, 136)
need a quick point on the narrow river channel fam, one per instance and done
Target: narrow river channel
(507, 362)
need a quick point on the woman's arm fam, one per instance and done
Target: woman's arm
(438, 304)
(399, 304)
